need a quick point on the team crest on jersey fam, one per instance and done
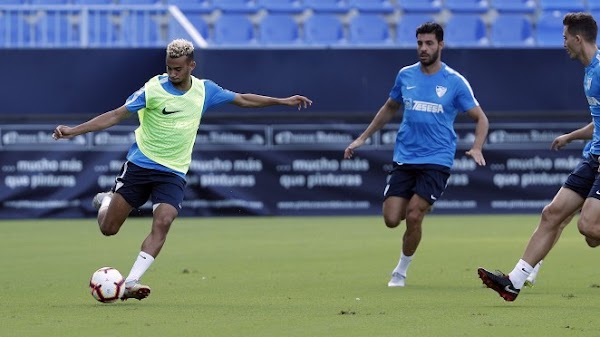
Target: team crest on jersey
(440, 91)
(588, 83)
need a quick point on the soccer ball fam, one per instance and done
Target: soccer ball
(107, 285)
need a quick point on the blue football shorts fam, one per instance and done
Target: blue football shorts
(582, 179)
(426, 180)
(138, 185)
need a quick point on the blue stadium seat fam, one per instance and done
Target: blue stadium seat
(420, 6)
(278, 29)
(233, 29)
(562, 5)
(140, 29)
(198, 6)
(93, 2)
(49, 2)
(512, 30)
(324, 30)
(406, 28)
(14, 2)
(235, 6)
(467, 6)
(465, 30)
(550, 29)
(101, 29)
(176, 31)
(515, 6)
(594, 5)
(280, 6)
(372, 6)
(138, 2)
(327, 6)
(55, 29)
(369, 29)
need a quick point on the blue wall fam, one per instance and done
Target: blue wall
(279, 161)
(516, 84)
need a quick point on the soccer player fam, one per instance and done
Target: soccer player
(432, 95)
(169, 108)
(582, 187)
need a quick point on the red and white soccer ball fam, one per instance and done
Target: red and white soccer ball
(107, 285)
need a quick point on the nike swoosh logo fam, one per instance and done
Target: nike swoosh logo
(411, 87)
(509, 289)
(433, 197)
(165, 112)
(598, 192)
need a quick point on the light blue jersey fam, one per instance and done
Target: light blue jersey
(431, 104)
(214, 96)
(586, 149)
(591, 87)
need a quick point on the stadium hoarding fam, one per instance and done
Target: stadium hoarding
(281, 169)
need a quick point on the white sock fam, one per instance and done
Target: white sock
(536, 269)
(403, 264)
(142, 263)
(105, 202)
(520, 273)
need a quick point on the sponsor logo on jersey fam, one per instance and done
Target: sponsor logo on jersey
(427, 107)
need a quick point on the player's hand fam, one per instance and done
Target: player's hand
(62, 131)
(349, 151)
(297, 100)
(559, 142)
(477, 156)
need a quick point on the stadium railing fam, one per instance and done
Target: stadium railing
(95, 26)
(127, 25)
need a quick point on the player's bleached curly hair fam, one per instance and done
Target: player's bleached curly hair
(180, 47)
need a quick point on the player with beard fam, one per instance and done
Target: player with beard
(432, 94)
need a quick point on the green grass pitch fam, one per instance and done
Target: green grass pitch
(294, 276)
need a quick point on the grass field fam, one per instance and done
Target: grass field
(302, 276)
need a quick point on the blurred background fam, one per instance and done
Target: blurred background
(65, 61)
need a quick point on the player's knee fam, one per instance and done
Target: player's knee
(163, 221)
(415, 216)
(586, 228)
(551, 218)
(592, 242)
(108, 229)
(549, 214)
(391, 222)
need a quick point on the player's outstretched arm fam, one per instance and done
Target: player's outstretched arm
(481, 131)
(259, 101)
(100, 122)
(383, 116)
(585, 132)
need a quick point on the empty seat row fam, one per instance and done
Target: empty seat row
(461, 30)
(153, 28)
(380, 6)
